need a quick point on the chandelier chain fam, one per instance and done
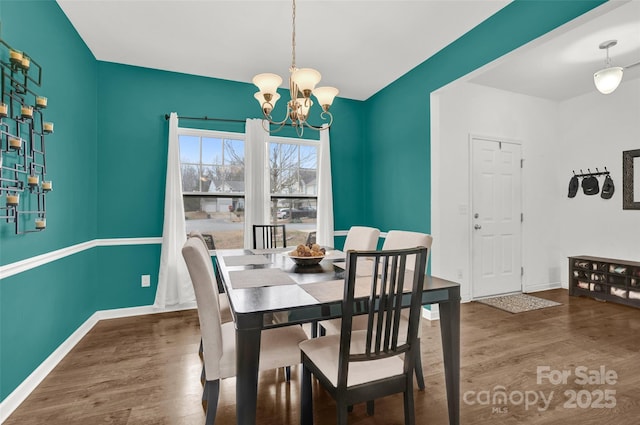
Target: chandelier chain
(293, 36)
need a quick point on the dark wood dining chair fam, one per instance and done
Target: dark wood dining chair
(362, 365)
(267, 236)
(278, 346)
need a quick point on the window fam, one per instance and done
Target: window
(293, 173)
(212, 169)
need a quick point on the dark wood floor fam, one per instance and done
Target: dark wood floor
(146, 370)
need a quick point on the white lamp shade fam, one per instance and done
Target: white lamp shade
(306, 78)
(325, 95)
(608, 79)
(267, 83)
(261, 100)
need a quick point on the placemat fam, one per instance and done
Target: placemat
(259, 277)
(245, 260)
(333, 290)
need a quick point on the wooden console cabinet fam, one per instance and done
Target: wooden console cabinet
(605, 279)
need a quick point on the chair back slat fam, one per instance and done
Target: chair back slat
(267, 236)
(392, 272)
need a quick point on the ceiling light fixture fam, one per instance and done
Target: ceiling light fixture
(608, 78)
(302, 83)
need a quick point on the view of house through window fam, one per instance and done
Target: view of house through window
(212, 168)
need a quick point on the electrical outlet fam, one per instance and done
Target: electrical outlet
(146, 280)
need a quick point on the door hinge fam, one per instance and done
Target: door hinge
(521, 217)
(521, 162)
(521, 271)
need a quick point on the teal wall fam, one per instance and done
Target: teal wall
(108, 154)
(40, 308)
(398, 117)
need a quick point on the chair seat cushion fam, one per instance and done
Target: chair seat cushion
(324, 352)
(278, 348)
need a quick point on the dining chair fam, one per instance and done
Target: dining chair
(361, 238)
(267, 236)
(225, 309)
(278, 347)
(362, 365)
(395, 239)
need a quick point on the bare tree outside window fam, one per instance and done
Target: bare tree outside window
(213, 186)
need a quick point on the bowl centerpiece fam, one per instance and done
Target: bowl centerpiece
(307, 255)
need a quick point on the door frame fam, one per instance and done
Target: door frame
(473, 136)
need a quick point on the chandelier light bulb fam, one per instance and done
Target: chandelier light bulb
(267, 83)
(306, 80)
(325, 96)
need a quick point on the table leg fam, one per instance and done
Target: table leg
(247, 362)
(450, 331)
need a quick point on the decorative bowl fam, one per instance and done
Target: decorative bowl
(306, 261)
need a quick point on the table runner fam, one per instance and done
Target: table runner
(259, 277)
(333, 290)
(245, 260)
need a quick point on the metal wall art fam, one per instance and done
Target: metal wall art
(23, 183)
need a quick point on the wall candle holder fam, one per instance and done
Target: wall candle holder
(23, 169)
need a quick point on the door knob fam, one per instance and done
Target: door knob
(477, 227)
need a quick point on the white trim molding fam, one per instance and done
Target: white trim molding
(39, 260)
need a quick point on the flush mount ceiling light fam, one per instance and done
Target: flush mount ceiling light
(608, 78)
(302, 83)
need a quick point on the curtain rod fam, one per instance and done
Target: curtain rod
(206, 118)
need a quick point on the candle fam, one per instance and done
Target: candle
(15, 142)
(3, 109)
(26, 111)
(41, 223)
(47, 127)
(47, 185)
(15, 56)
(12, 200)
(41, 102)
(25, 62)
(32, 180)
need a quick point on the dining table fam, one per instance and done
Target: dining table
(267, 289)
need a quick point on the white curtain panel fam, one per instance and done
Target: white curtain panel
(256, 175)
(174, 284)
(324, 235)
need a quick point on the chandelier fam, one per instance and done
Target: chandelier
(302, 83)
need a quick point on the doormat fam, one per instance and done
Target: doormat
(518, 303)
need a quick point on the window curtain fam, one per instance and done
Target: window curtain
(174, 284)
(256, 172)
(324, 234)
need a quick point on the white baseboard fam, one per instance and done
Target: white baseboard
(17, 396)
(433, 314)
(541, 287)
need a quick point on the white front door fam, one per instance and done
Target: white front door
(496, 217)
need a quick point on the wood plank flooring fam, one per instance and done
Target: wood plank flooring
(146, 370)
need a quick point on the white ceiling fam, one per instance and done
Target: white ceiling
(560, 65)
(365, 46)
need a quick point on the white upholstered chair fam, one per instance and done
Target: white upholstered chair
(279, 346)
(362, 365)
(361, 238)
(396, 239)
(225, 309)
